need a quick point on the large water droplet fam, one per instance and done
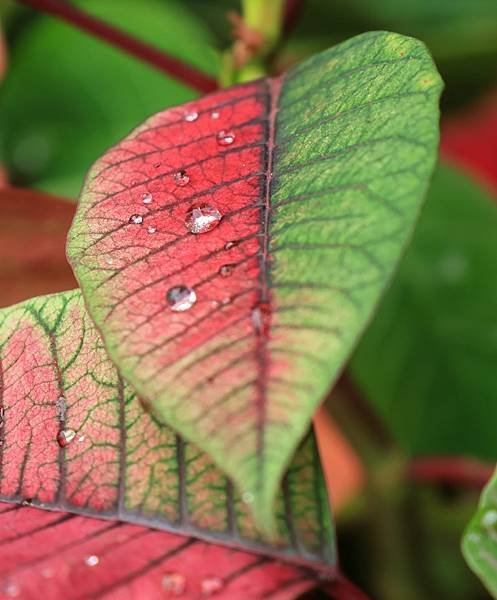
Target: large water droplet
(191, 116)
(215, 115)
(181, 178)
(147, 198)
(136, 219)
(202, 218)
(211, 585)
(65, 437)
(226, 270)
(225, 138)
(180, 298)
(175, 583)
(92, 560)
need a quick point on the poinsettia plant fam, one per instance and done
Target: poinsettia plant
(160, 427)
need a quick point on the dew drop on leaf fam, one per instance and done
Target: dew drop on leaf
(174, 583)
(248, 497)
(202, 218)
(65, 437)
(191, 116)
(226, 270)
(181, 178)
(489, 519)
(180, 298)
(229, 245)
(215, 115)
(151, 229)
(147, 198)
(27, 502)
(225, 138)
(211, 585)
(260, 318)
(92, 560)
(136, 219)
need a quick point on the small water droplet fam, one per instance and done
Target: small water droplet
(181, 178)
(11, 589)
(226, 270)
(225, 138)
(180, 298)
(211, 585)
(248, 497)
(92, 560)
(230, 245)
(65, 437)
(175, 583)
(136, 219)
(489, 519)
(109, 260)
(27, 502)
(47, 573)
(202, 218)
(147, 198)
(261, 315)
(226, 301)
(61, 408)
(191, 116)
(2, 415)
(151, 229)
(81, 439)
(215, 115)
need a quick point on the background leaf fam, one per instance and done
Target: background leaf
(286, 282)
(32, 245)
(435, 383)
(68, 96)
(75, 438)
(480, 539)
(59, 555)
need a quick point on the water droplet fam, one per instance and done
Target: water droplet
(181, 178)
(202, 218)
(215, 115)
(225, 138)
(109, 261)
(174, 583)
(147, 198)
(261, 315)
(92, 560)
(61, 408)
(211, 585)
(489, 519)
(2, 415)
(248, 497)
(151, 229)
(230, 245)
(226, 301)
(27, 502)
(226, 270)
(47, 572)
(11, 589)
(180, 298)
(136, 219)
(65, 437)
(191, 116)
(81, 439)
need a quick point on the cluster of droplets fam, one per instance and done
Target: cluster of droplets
(199, 219)
(175, 584)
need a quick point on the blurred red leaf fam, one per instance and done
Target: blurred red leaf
(32, 245)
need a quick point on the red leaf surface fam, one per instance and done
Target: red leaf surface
(58, 555)
(32, 245)
(317, 178)
(74, 437)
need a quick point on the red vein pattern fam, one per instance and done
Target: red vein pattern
(319, 177)
(52, 556)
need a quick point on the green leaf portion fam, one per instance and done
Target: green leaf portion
(479, 544)
(427, 362)
(120, 463)
(68, 96)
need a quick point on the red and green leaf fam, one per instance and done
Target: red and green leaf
(74, 437)
(319, 177)
(53, 556)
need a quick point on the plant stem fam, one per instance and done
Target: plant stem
(343, 589)
(453, 470)
(149, 54)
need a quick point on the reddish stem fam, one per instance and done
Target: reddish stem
(343, 589)
(141, 50)
(458, 471)
(293, 10)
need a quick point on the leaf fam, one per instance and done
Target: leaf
(32, 245)
(319, 177)
(49, 555)
(75, 438)
(479, 544)
(60, 109)
(427, 363)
